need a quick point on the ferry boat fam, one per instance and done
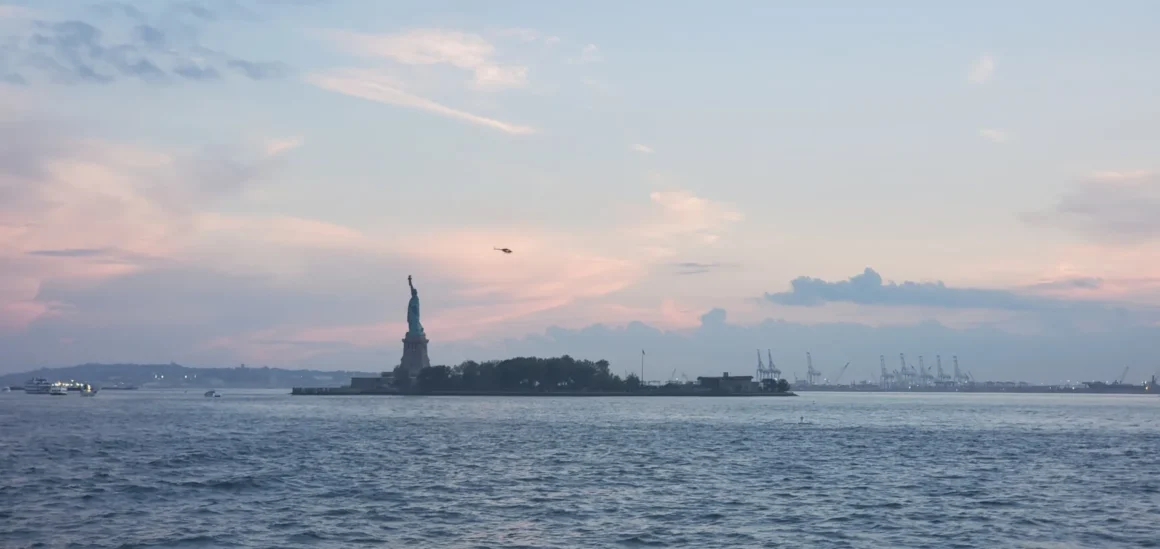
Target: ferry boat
(37, 386)
(58, 390)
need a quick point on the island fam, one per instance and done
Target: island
(527, 376)
(533, 376)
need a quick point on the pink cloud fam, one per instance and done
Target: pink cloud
(374, 86)
(92, 210)
(683, 217)
(543, 265)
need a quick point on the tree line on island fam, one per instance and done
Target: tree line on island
(543, 375)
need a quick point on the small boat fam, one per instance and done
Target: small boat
(58, 390)
(213, 393)
(89, 390)
(6, 389)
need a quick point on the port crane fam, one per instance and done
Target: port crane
(887, 377)
(811, 374)
(959, 376)
(942, 376)
(767, 371)
(839, 376)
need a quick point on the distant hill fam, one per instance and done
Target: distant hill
(175, 375)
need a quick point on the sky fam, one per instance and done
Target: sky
(216, 182)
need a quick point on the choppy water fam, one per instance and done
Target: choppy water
(263, 469)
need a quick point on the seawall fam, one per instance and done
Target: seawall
(347, 391)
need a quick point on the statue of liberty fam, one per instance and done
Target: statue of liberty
(414, 327)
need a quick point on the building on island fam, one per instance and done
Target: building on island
(729, 384)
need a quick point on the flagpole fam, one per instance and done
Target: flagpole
(642, 367)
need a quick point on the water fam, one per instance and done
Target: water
(263, 469)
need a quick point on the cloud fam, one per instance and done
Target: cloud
(683, 215)
(590, 54)
(73, 252)
(276, 147)
(373, 86)
(259, 71)
(994, 135)
(694, 268)
(868, 288)
(466, 51)
(498, 78)
(129, 44)
(136, 207)
(529, 35)
(1120, 207)
(1081, 283)
(982, 69)
(642, 148)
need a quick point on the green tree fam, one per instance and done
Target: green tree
(632, 383)
(401, 379)
(522, 374)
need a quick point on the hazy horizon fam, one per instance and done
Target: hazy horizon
(251, 181)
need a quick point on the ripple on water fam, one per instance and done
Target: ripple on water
(267, 470)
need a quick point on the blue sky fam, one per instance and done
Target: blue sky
(213, 182)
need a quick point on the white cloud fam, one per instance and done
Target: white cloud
(1115, 176)
(982, 69)
(683, 214)
(275, 147)
(528, 36)
(642, 148)
(372, 86)
(995, 135)
(496, 77)
(590, 54)
(467, 51)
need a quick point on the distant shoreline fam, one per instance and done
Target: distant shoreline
(347, 391)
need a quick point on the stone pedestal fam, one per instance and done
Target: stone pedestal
(414, 354)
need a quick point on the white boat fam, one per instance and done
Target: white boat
(88, 390)
(58, 390)
(37, 386)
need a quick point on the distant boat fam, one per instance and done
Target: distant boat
(89, 390)
(6, 389)
(213, 393)
(58, 390)
(37, 386)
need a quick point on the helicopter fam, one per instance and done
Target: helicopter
(504, 250)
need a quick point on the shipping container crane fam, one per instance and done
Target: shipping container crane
(839, 377)
(811, 374)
